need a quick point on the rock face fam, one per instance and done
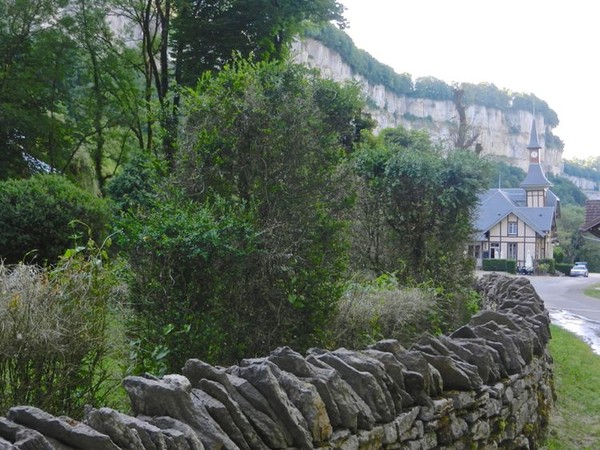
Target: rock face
(502, 134)
(487, 385)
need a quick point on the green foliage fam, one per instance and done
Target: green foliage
(563, 268)
(188, 263)
(566, 190)
(68, 89)
(416, 208)
(546, 266)
(505, 176)
(487, 94)
(31, 87)
(251, 254)
(500, 265)
(137, 184)
(559, 255)
(589, 168)
(39, 216)
(361, 61)
(382, 309)
(575, 246)
(207, 33)
(53, 339)
(430, 87)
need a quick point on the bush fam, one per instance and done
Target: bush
(546, 265)
(187, 263)
(382, 310)
(37, 216)
(53, 333)
(563, 268)
(500, 265)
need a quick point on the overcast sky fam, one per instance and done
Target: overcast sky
(548, 48)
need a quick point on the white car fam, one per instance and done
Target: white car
(579, 270)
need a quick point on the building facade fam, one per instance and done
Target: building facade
(518, 223)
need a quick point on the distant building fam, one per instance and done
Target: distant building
(592, 218)
(518, 223)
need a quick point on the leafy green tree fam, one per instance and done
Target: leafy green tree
(430, 87)
(567, 191)
(37, 217)
(35, 56)
(425, 204)
(571, 218)
(252, 254)
(182, 39)
(505, 176)
(189, 265)
(576, 246)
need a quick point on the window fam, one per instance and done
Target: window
(512, 251)
(512, 228)
(495, 250)
(475, 251)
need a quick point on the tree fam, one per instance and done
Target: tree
(35, 56)
(254, 255)
(183, 39)
(425, 204)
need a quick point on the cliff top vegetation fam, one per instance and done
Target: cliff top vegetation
(485, 94)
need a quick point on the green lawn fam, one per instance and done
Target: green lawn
(593, 291)
(575, 422)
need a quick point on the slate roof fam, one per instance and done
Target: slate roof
(535, 177)
(592, 217)
(534, 143)
(496, 204)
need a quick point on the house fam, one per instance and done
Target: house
(518, 223)
(592, 218)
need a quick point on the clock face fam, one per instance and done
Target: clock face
(534, 154)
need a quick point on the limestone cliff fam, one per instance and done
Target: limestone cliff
(502, 134)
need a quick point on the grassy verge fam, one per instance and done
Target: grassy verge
(575, 422)
(593, 291)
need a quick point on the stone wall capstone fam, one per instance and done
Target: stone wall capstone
(488, 385)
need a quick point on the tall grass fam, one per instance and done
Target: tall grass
(54, 337)
(575, 420)
(381, 309)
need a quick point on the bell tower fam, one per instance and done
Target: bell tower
(535, 183)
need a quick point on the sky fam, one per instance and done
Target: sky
(549, 48)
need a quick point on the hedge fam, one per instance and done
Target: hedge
(500, 265)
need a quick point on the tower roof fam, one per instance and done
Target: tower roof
(535, 178)
(533, 138)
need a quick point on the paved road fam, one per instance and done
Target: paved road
(566, 293)
(570, 308)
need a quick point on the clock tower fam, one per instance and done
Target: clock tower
(534, 146)
(535, 183)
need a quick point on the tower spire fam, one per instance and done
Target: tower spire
(534, 143)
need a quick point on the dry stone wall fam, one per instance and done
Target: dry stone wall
(488, 385)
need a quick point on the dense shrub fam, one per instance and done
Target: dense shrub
(546, 265)
(500, 265)
(246, 250)
(382, 309)
(53, 333)
(187, 263)
(563, 268)
(40, 215)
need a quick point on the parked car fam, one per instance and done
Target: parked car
(579, 270)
